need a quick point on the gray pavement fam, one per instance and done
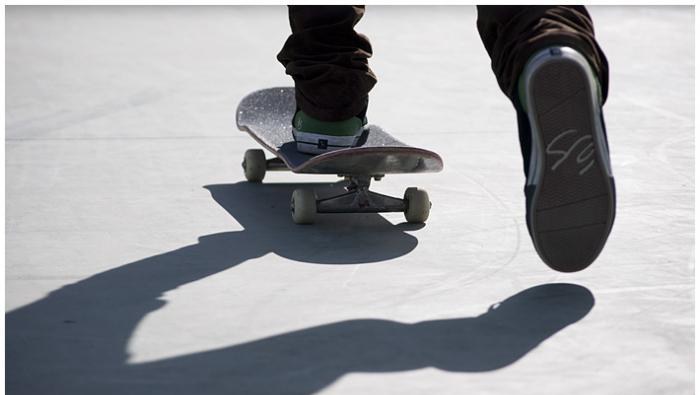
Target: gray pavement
(139, 261)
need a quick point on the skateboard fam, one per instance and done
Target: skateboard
(266, 115)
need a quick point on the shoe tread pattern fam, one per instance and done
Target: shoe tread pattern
(573, 204)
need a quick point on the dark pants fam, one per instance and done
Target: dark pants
(327, 58)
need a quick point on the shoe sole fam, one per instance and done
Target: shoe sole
(314, 143)
(573, 204)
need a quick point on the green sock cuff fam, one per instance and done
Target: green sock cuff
(304, 123)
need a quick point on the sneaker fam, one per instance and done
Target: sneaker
(570, 190)
(316, 137)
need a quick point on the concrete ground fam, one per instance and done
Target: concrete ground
(139, 261)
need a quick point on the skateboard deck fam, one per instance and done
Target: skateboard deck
(267, 116)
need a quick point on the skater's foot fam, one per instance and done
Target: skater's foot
(570, 191)
(316, 137)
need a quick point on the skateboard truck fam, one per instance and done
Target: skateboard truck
(356, 197)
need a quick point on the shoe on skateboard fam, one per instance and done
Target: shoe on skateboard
(317, 137)
(570, 190)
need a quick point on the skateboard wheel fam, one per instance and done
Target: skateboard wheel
(254, 165)
(417, 205)
(303, 206)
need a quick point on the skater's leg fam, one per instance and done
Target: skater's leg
(327, 59)
(512, 34)
(547, 61)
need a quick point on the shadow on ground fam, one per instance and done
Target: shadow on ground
(74, 341)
